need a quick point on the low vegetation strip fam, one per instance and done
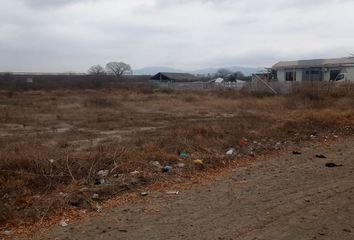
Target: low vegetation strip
(73, 149)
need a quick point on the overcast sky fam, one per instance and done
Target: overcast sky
(72, 35)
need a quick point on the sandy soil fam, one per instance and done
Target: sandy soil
(287, 197)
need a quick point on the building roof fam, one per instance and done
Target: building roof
(219, 80)
(334, 62)
(176, 76)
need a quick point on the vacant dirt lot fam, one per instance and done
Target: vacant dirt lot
(284, 197)
(54, 144)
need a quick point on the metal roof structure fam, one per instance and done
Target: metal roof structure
(315, 63)
(174, 76)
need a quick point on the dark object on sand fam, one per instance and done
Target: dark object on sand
(332, 165)
(321, 156)
(297, 153)
(166, 169)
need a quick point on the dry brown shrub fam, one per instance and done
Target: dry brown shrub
(100, 102)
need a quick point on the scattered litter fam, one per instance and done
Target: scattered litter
(135, 172)
(335, 136)
(155, 164)
(167, 169)
(181, 165)
(232, 151)
(8, 232)
(103, 173)
(172, 192)
(51, 160)
(321, 156)
(198, 162)
(297, 153)
(183, 154)
(63, 223)
(144, 194)
(95, 196)
(333, 165)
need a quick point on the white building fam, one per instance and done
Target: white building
(315, 70)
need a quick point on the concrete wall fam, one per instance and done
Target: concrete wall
(350, 71)
(299, 75)
(281, 74)
(327, 75)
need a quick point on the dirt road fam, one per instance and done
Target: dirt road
(288, 197)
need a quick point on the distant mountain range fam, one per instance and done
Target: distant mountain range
(205, 71)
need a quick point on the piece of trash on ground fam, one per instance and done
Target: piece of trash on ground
(243, 142)
(95, 196)
(135, 172)
(98, 207)
(155, 164)
(198, 162)
(183, 154)
(321, 156)
(172, 192)
(103, 173)
(8, 232)
(332, 165)
(232, 151)
(100, 181)
(63, 223)
(144, 194)
(167, 168)
(277, 146)
(297, 153)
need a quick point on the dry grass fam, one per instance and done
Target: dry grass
(55, 142)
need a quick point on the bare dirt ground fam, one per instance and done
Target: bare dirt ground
(286, 197)
(55, 144)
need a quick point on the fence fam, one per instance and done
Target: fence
(23, 81)
(199, 86)
(259, 85)
(320, 87)
(184, 86)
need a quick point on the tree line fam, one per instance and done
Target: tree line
(230, 76)
(116, 69)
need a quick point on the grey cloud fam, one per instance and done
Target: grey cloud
(184, 34)
(52, 3)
